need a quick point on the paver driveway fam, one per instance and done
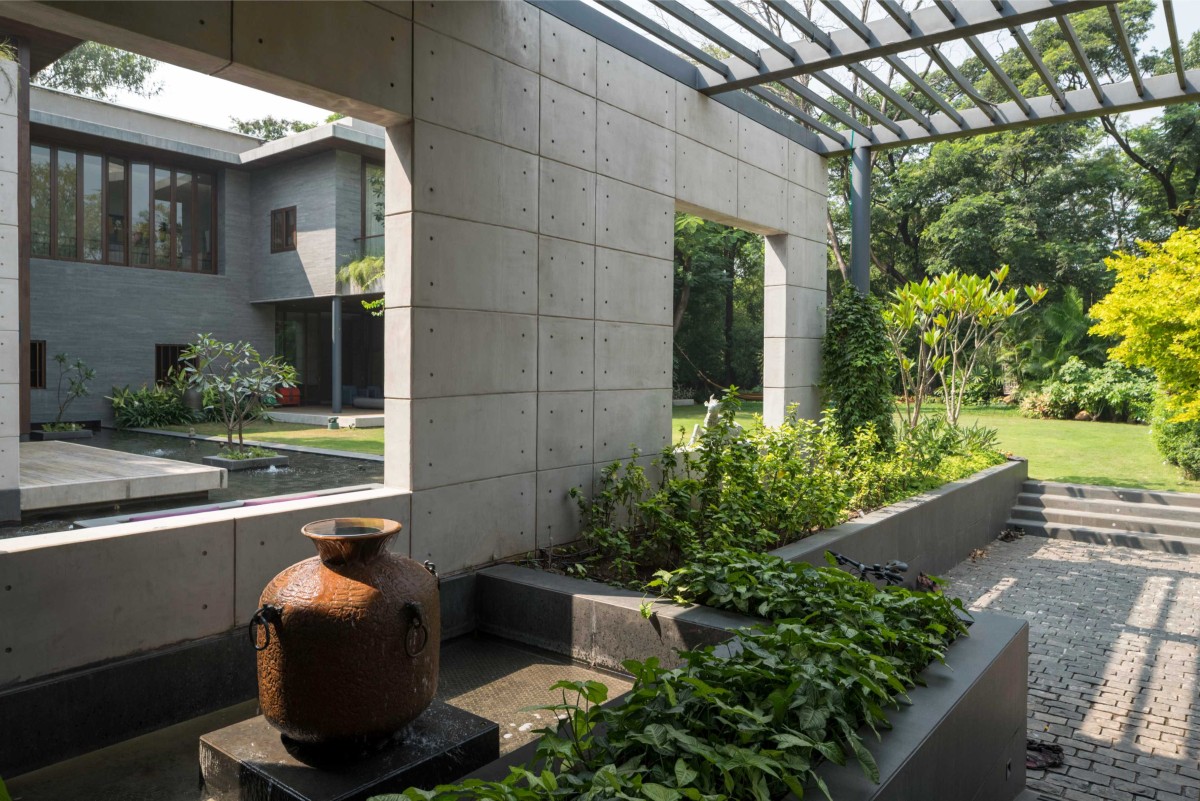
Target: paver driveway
(1114, 639)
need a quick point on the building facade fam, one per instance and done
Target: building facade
(146, 231)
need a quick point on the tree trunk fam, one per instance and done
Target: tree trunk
(681, 304)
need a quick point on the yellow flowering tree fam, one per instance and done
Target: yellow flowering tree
(1154, 308)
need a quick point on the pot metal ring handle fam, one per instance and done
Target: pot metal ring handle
(267, 615)
(416, 628)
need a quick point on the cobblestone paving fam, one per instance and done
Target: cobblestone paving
(1114, 640)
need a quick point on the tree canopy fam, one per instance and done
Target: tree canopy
(99, 71)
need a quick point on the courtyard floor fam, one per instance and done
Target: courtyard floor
(1114, 639)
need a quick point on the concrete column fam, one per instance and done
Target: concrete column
(397, 318)
(793, 325)
(860, 219)
(14, 281)
(335, 352)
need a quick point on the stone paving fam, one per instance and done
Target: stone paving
(1114, 639)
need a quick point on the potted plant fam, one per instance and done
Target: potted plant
(75, 376)
(240, 382)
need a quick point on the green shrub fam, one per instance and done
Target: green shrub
(1110, 392)
(1178, 442)
(149, 407)
(857, 366)
(763, 488)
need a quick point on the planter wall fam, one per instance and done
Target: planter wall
(932, 532)
(962, 736)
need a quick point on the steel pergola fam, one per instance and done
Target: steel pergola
(753, 76)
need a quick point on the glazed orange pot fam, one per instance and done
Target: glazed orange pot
(348, 640)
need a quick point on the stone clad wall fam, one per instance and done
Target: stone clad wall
(10, 318)
(529, 290)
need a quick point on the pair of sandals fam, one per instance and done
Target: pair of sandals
(1040, 755)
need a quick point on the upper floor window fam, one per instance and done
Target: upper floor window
(112, 210)
(372, 205)
(283, 229)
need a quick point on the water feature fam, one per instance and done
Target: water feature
(305, 472)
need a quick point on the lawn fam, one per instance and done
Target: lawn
(359, 440)
(1114, 454)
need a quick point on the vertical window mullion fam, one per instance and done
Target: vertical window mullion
(54, 202)
(79, 205)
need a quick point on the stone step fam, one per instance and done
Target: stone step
(1105, 536)
(1128, 495)
(1154, 511)
(1100, 520)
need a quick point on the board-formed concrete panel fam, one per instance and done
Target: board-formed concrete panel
(762, 147)
(472, 353)
(397, 455)
(632, 356)
(8, 251)
(705, 177)
(566, 278)
(706, 121)
(475, 523)
(568, 55)
(10, 357)
(795, 260)
(762, 198)
(472, 437)
(568, 125)
(557, 512)
(131, 589)
(398, 256)
(9, 305)
(777, 401)
(628, 84)
(508, 30)
(792, 311)
(791, 362)
(565, 354)
(633, 219)
(465, 265)
(463, 176)
(502, 108)
(564, 429)
(568, 202)
(397, 345)
(634, 151)
(806, 213)
(632, 288)
(630, 418)
(9, 424)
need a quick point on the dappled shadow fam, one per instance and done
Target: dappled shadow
(1114, 644)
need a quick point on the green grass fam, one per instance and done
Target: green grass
(359, 440)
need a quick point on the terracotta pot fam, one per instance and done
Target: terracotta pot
(348, 640)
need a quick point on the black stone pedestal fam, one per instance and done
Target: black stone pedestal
(249, 761)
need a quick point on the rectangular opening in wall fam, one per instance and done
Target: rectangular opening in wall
(166, 359)
(37, 364)
(283, 229)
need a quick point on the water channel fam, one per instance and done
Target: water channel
(306, 472)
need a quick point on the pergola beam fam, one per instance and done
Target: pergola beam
(665, 35)
(1039, 66)
(1160, 90)
(880, 38)
(705, 28)
(1081, 58)
(1126, 49)
(962, 82)
(869, 78)
(1173, 33)
(789, 108)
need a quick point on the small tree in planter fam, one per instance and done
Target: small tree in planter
(240, 380)
(76, 375)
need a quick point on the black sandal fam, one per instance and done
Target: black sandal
(1040, 755)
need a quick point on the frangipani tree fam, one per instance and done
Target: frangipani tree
(951, 320)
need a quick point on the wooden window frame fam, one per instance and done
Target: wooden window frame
(285, 247)
(37, 363)
(129, 158)
(160, 375)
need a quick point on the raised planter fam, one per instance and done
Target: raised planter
(257, 463)
(932, 532)
(962, 736)
(54, 436)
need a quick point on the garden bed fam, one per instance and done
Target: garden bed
(961, 736)
(252, 463)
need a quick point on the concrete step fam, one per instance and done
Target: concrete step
(1100, 520)
(1154, 511)
(1139, 496)
(1106, 536)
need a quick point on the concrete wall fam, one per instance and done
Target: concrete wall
(529, 289)
(10, 317)
(112, 316)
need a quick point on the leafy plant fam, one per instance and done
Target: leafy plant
(1154, 308)
(857, 366)
(1109, 392)
(950, 320)
(240, 381)
(1178, 441)
(77, 376)
(149, 407)
(246, 452)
